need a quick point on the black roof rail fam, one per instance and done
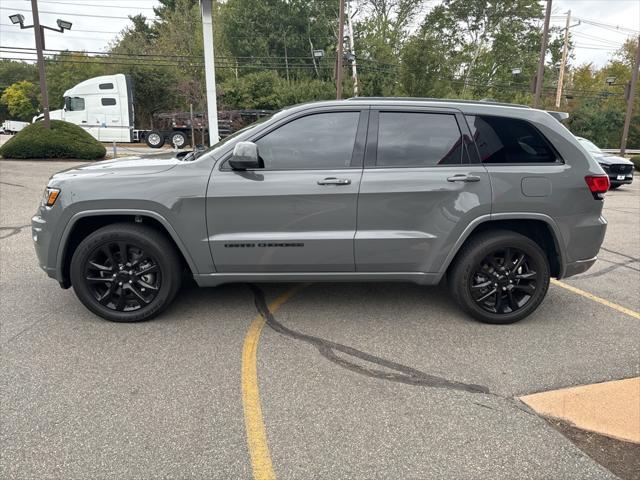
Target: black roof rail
(443, 100)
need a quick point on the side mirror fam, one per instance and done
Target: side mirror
(245, 156)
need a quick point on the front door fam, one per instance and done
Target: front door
(298, 214)
(422, 185)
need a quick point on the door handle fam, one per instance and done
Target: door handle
(334, 181)
(461, 177)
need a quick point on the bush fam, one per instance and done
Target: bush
(636, 161)
(63, 140)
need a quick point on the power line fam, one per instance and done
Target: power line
(68, 14)
(92, 5)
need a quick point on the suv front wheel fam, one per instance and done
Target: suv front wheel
(126, 272)
(500, 277)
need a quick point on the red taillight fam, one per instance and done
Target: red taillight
(597, 184)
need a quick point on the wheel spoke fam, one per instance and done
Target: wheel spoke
(146, 285)
(528, 289)
(484, 297)
(108, 295)
(499, 303)
(526, 276)
(481, 285)
(107, 251)
(121, 303)
(512, 301)
(103, 268)
(99, 279)
(124, 257)
(518, 263)
(150, 269)
(138, 294)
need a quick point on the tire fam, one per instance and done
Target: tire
(179, 139)
(154, 139)
(521, 287)
(144, 287)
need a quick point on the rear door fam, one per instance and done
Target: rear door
(422, 185)
(298, 214)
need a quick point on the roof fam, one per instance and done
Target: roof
(439, 100)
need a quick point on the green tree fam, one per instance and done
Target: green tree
(21, 99)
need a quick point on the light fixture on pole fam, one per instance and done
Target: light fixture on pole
(18, 19)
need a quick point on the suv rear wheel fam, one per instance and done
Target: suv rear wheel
(125, 272)
(500, 277)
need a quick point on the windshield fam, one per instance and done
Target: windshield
(590, 146)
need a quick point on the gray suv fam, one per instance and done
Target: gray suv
(497, 198)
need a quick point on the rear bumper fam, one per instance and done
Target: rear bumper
(580, 266)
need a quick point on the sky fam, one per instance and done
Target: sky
(97, 22)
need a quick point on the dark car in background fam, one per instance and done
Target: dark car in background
(619, 169)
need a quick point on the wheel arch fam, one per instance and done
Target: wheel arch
(87, 222)
(539, 227)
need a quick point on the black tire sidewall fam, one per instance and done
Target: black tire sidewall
(476, 253)
(184, 139)
(167, 264)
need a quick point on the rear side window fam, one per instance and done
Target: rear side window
(322, 141)
(407, 139)
(508, 140)
(108, 101)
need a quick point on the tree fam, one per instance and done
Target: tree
(21, 100)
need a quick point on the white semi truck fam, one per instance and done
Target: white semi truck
(104, 107)
(101, 105)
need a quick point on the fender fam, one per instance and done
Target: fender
(555, 233)
(62, 246)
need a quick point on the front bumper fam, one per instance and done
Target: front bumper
(619, 174)
(581, 266)
(41, 241)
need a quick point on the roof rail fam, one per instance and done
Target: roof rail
(443, 100)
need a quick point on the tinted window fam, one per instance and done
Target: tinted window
(507, 140)
(106, 86)
(108, 101)
(323, 140)
(74, 104)
(418, 140)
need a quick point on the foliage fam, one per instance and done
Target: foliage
(63, 140)
(21, 99)
(636, 161)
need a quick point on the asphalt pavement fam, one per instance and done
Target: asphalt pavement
(354, 380)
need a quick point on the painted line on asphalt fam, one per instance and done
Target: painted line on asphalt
(595, 298)
(254, 423)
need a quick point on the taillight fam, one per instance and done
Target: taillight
(598, 185)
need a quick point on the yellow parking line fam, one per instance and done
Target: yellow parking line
(590, 296)
(254, 424)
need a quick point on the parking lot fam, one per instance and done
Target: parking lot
(370, 381)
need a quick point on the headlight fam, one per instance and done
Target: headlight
(50, 196)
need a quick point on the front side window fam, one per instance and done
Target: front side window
(509, 140)
(418, 140)
(318, 141)
(108, 101)
(74, 104)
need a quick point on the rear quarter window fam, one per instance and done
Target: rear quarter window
(509, 140)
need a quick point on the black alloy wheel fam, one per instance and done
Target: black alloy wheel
(126, 272)
(499, 276)
(504, 281)
(122, 276)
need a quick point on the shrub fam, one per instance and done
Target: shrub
(63, 140)
(636, 161)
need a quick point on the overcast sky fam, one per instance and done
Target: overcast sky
(97, 22)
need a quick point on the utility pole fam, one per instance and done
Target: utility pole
(40, 53)
(563, 63)
(543, 52)
(209, 69)
(632, 94)
(354, 69)
(340, 51)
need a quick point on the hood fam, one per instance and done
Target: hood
(119, 167)
(609, 159)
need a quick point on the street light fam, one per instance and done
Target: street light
(63, 25)
(17, 18)
(610, 81)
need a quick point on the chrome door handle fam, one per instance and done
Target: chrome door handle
(334, 181)
(461, 177)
